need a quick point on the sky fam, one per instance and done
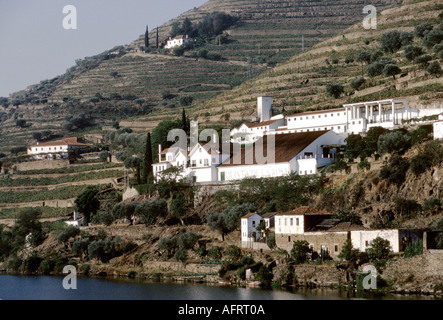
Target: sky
(35, 44)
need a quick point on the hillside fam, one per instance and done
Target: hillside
(265, 34)
(335, 61)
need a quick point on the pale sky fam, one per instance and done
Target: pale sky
(34, 45)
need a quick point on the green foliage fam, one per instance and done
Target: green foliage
(406, 208)
(391, 70)
(233, 252)
(432, 38)
(334, 89)
(349, 254)
(68, 233)
(379, 249)
(169, 244)
(411, 52)
(421, 30)
(431, 154)
(215, 253)
(363, 56)
(28, 228)
(188, 240)
(88, 203)
(413, 249)
(423, 60)
(299, 252)
(347, 216)
(357, 83)
(394, 170)
(229, 219)
(434, 69)
(270, 240)
(393, 40)
(393, 142)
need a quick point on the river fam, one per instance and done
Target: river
(51, 288)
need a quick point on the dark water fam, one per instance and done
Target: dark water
(51, 288)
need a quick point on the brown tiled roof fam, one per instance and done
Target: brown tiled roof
(305, 211)
(66, 141)
(248, 215)
(316, 112)
(345, 226)
(287, 146)
(269, 214)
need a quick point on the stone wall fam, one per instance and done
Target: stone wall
(42, 164)
(179, 267)
(333, 241)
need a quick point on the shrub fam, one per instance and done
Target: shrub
(407, 208)
(270, 240)
(413, 249)
(188, 240)
(299, 251)
(421, 30)
(379, 249)
(392, 41)
(434, 69)
(168, 244)
(233, 252)
(68, 233)
(423, 60)
(181, 254)
(432, 38)
(394, 171)
(375, 69)
(411, 52)
(357, 83)
(393, 142)
(391, 70)
(215, 253)
(334, 89)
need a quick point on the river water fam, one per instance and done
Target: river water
(51, 288)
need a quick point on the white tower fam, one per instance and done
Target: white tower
(264, 105)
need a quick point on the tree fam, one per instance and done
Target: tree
(379, 249)
(134, 163)
(124, 210)
(423, 60)
(421, 30)
(148, 211)
(113, 74)
(394, 171)
(28, 228)
(156, 39)
(88, 203)
(147, 169)
(375, 69)
(434, 69)
(411, 52)
(349, 254)
(68, 233)
(432, 38)
(20, 123)
(178, 51)
(357, 83)
(188, 240)
(334, 89)
(363, 56)
(392, 41)
(147, 38)
(299, 251)
(393, 142)
(391, 70)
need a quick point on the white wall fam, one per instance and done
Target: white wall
(289, 224)
(336, 118)
(47, 149)
(361, 239)
(248, 226)
(238, 172)
(438, 129)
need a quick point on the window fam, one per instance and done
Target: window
(222, 176)
(213, 160)
(297, 222)
(366, 243)
(286, 222)
(291, 222)
(289, 238)
(313, 117)
(319, 116)
(206, 162)
(336, 248)
(332, 114)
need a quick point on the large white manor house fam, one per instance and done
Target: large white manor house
(301, 143)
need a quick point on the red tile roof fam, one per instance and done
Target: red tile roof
(287, 146)
(305, 211)
(65, 141)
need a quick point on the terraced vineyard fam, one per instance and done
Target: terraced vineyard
(285, 82)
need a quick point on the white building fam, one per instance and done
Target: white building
(281, 154)
(299, 221)
(178, 41)
(198, 165)
(76, 221)
(249, 224)
(438, 127)
(56, 149)
(398, 238)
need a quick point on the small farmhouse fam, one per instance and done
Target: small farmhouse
(178, 41)
(57, 149)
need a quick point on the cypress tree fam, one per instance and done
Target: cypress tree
(157, 39)
(146, 38)
(184, 121)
